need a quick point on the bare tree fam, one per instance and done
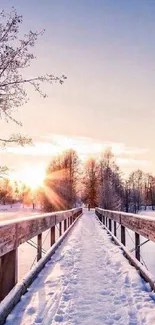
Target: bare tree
(15, 57)
(90, 182)
(110, 183)
(6, 191)
(61, 182)
(136, 190)
(149, 190)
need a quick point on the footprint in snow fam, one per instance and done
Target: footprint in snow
(58, 318)
(31, 310)
(105, 292)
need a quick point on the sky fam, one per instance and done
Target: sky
(106, 48)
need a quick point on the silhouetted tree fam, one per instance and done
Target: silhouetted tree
(110, 183)
(61, 182)
(90, 183)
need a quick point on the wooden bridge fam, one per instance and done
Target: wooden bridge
(14, 233)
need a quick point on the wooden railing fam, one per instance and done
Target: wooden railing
(141, 225)
(16, 232)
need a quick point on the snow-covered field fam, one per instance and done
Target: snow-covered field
(16, 211)
(18, 207)
(87, 282)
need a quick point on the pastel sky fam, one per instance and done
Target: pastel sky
(106, 48)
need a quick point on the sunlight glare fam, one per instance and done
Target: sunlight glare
(31, 176)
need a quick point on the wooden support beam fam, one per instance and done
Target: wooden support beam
(115, 229)
(60, 229)
(65, 224)
(123, 235)
(52, 235)
(39, 247)
(137, 246)
(8, 272)
(106, 222)
(110, 224)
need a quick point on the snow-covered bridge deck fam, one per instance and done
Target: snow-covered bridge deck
(87, 281)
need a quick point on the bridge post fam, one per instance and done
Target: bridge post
(106, 221)
(110, 224)
(123, 235)
(8, 272)
(60, 229)
(39, 247)
(100, 218)
(103, 219)
(65, 224)
(115, 230)
(52, 235)
(137, 246)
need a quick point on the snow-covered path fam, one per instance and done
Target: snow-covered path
(86, 282)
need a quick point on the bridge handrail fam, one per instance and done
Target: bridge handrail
(140, 224)
(16, 232)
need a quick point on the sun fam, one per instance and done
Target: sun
(31, 176)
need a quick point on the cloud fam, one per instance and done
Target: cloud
(132, 162)
(50, 145)
(53, 144)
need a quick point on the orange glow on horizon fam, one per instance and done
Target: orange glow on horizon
(32, 177)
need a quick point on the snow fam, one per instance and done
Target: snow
(149, 213)
(18, 207)
(87, 281)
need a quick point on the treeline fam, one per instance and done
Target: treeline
(98, 182)
(61, 183)
(12, 192)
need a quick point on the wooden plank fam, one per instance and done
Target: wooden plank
(142, 225)
(123, 241)
(52, 235)
(8, 272)
(106, 223)
(113, 215)
(60, 229)
(39, 247)
(115, 229)
(7, 239)
(14, 233)
(110, 224)
(65, 225)
(137, 246)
